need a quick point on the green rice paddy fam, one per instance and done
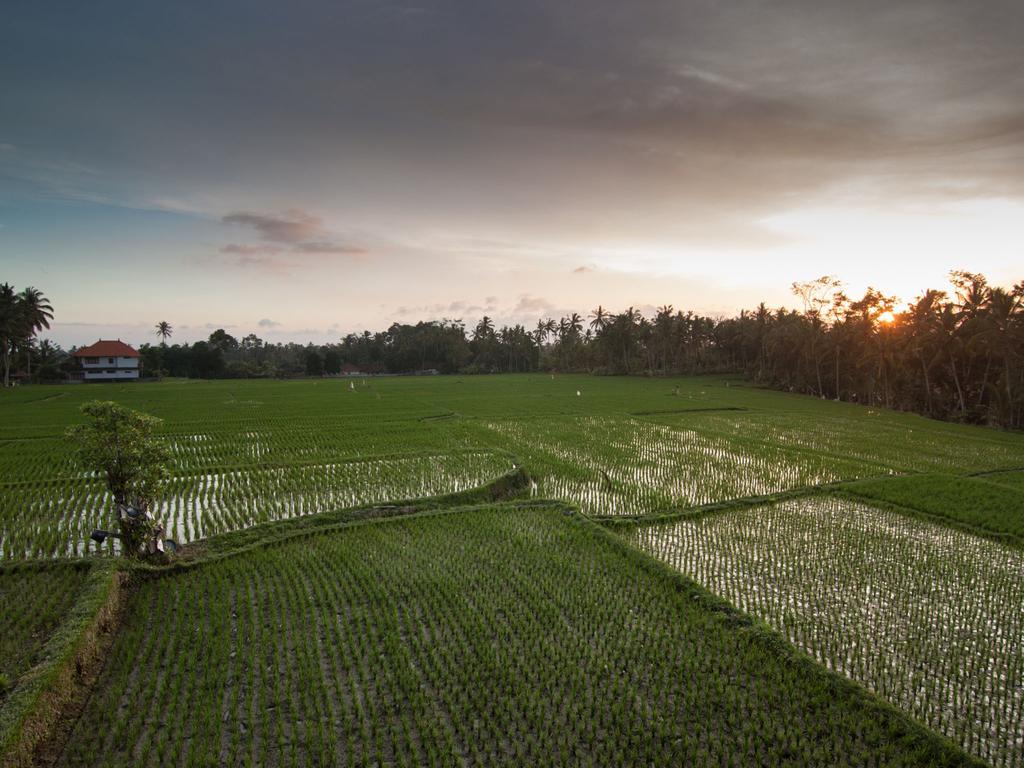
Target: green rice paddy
(839, 585)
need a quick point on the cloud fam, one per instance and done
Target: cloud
(266, 322)
(293, 226)
(439, 309)
(581, 269)
(658, 127)
(270, 263)
(329, 247)
(214, 326)
(293, 234)
(529, 303)
(249, 250)
(458, 308)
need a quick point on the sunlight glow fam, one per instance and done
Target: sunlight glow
(902, 250)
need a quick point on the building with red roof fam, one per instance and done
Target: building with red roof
(108, 360)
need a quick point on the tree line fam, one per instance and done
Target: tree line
(952, 355)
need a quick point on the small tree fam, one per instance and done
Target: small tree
(118, 442)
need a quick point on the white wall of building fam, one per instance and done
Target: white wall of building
(110, 362)
(102, 374)
(109, 368)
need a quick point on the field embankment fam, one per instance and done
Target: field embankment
(65, 658)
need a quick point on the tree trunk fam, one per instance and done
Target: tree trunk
(959, 389)
(837, 372)
(927, 383)
(984, 380)
(1009, 389)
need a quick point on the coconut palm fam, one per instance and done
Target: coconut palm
(35, 313)
(36, 310)
(541, 332)
(8, 326)
(164, 331)
(484, 329)
(1000, 337)
(598, 318)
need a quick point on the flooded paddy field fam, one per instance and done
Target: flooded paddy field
(929, 617)
(245, 452)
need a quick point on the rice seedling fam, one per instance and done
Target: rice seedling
(55, 518)
(1008, 479)
(988, 505)
(33, 601)
(929, 617)
(628, 466)
(892, 442)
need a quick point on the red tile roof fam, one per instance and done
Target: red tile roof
(107, 349)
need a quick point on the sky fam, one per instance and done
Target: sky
(303, 170)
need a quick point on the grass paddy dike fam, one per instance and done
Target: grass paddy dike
(847, 541)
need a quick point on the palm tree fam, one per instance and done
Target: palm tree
(48, 351)
(624, 326)
(661, 337)
(484, 329)
(575, 324)
(541, 332)
(563, 330)
(35, 314)
(997, 335)
(922, 321)
(8, 326)
(164, 331)
(599, 318)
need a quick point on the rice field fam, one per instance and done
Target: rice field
(490, 636)
(628, 466)
(248, 452)
(987, 505)
(525, 633)
(880, 438)
(33, 601)
(55, 519)
(1013, 480)
(928, 617)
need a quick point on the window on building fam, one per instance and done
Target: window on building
(92, 360)
(110, 360)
